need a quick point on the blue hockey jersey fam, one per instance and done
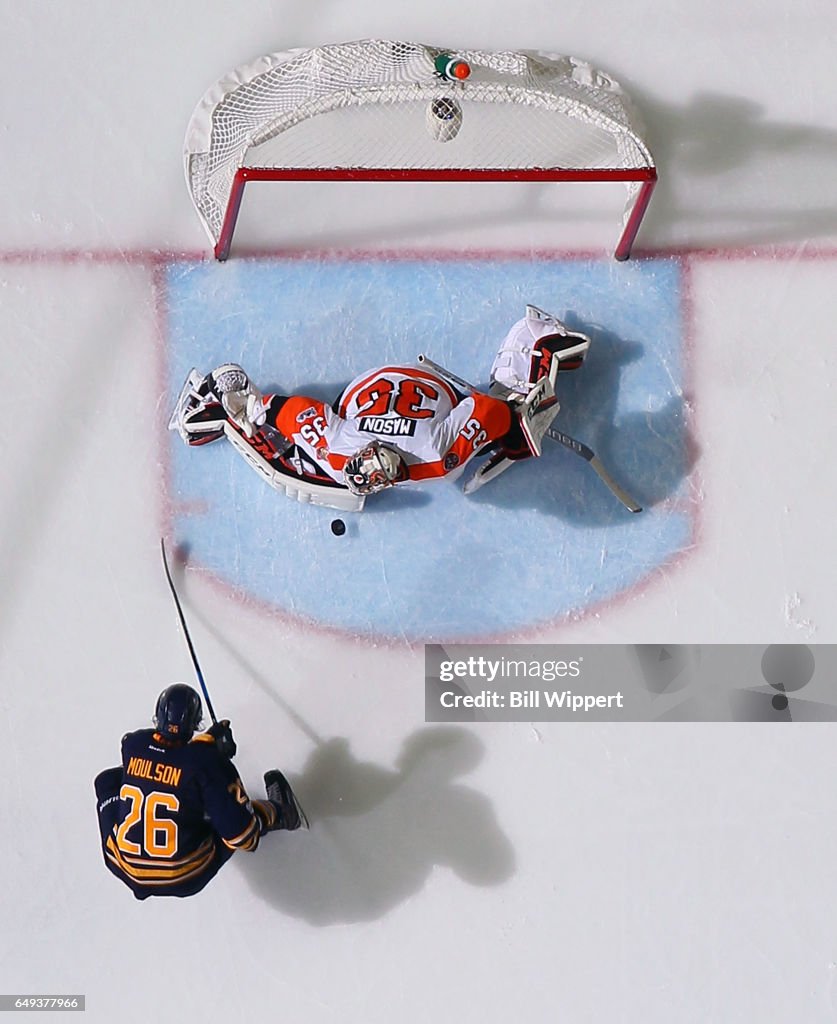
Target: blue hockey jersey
(182, 810)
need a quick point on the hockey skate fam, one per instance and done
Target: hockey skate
(558, 352)
(280, 793)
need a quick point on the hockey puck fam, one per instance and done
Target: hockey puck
(338, 527)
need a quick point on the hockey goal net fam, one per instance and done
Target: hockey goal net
(384, 110)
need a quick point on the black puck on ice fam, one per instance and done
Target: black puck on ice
(338, 527)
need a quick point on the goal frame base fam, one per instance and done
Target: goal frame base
(646, 176)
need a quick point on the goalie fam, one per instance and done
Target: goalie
(391, 425)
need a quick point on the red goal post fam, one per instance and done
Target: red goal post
(378, 110)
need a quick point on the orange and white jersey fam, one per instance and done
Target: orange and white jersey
(406, 408)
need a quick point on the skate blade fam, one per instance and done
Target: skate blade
(303, 817)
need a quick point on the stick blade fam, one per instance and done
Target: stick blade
(614, 488)
(180, 553)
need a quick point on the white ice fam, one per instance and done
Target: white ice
(654, 873)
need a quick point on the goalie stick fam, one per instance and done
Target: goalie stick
(587, 453)
(554, 434)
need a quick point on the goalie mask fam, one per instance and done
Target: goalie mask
(372, 469)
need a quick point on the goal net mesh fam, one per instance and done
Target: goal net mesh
(375, 104)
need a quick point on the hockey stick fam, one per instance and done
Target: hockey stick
(189, 643)
(587, 453)
(555, 435)
(302, 815)
(458, 382)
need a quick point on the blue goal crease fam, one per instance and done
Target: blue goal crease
(544, 542)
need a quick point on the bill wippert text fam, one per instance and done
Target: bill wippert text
(556, 700)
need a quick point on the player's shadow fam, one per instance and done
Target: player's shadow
(648, 453)
(378, 834)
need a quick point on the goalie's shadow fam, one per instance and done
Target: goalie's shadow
(648, 453)
(377, 834)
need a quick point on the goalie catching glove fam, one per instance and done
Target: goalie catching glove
(240, 400)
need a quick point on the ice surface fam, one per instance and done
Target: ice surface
(667, 873)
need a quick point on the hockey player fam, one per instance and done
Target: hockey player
(175, 810)
(393, 424)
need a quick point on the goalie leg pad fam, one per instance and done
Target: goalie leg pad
(536, 346)
(557, 353)
(196, 440)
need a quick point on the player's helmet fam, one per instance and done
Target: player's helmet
(372, 469)
(229, 377)
(443, 118)
(178, 712)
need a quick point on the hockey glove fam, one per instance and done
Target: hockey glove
(245, 409)
(222, 734)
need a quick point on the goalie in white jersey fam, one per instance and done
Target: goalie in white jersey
(390, 425)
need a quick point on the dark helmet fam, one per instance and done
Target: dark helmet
(178, 712)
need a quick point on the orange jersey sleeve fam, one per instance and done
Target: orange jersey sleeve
(474, 423)
(301, 417)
